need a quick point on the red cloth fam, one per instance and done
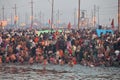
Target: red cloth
(69, 25)
(70, 51)
(112, 23)
(36, 39)
(49, 21)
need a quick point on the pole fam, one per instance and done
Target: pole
(98, 15)
(11, 18)
(78, 14)
(75, 17)
(58, 15)
(31, 14)
(15, 11)
(94, 15)
(43, 19)
(26, 18)
(3, 12)
(119, 15)
(40, 16)
(92, 18)
(52, 15)
(15, 17)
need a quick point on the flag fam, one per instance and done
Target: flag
(112, 23)
(49, 21)
(3, 23)
(69, 25)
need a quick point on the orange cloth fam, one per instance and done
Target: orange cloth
(0, 59)
(61, 53)
(43, 43)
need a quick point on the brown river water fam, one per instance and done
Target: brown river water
(57, 72)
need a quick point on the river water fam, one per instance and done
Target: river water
(57, 72)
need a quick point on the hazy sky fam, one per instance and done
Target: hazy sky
(108, 9)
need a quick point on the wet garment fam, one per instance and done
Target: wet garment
(33, 52)
(0, 40)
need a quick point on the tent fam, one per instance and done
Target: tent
(47, 31)
(99, 31)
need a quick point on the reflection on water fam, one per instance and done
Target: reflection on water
(57, 72)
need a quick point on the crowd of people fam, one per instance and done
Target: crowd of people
(76, 47)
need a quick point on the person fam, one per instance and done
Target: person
(82, 46)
